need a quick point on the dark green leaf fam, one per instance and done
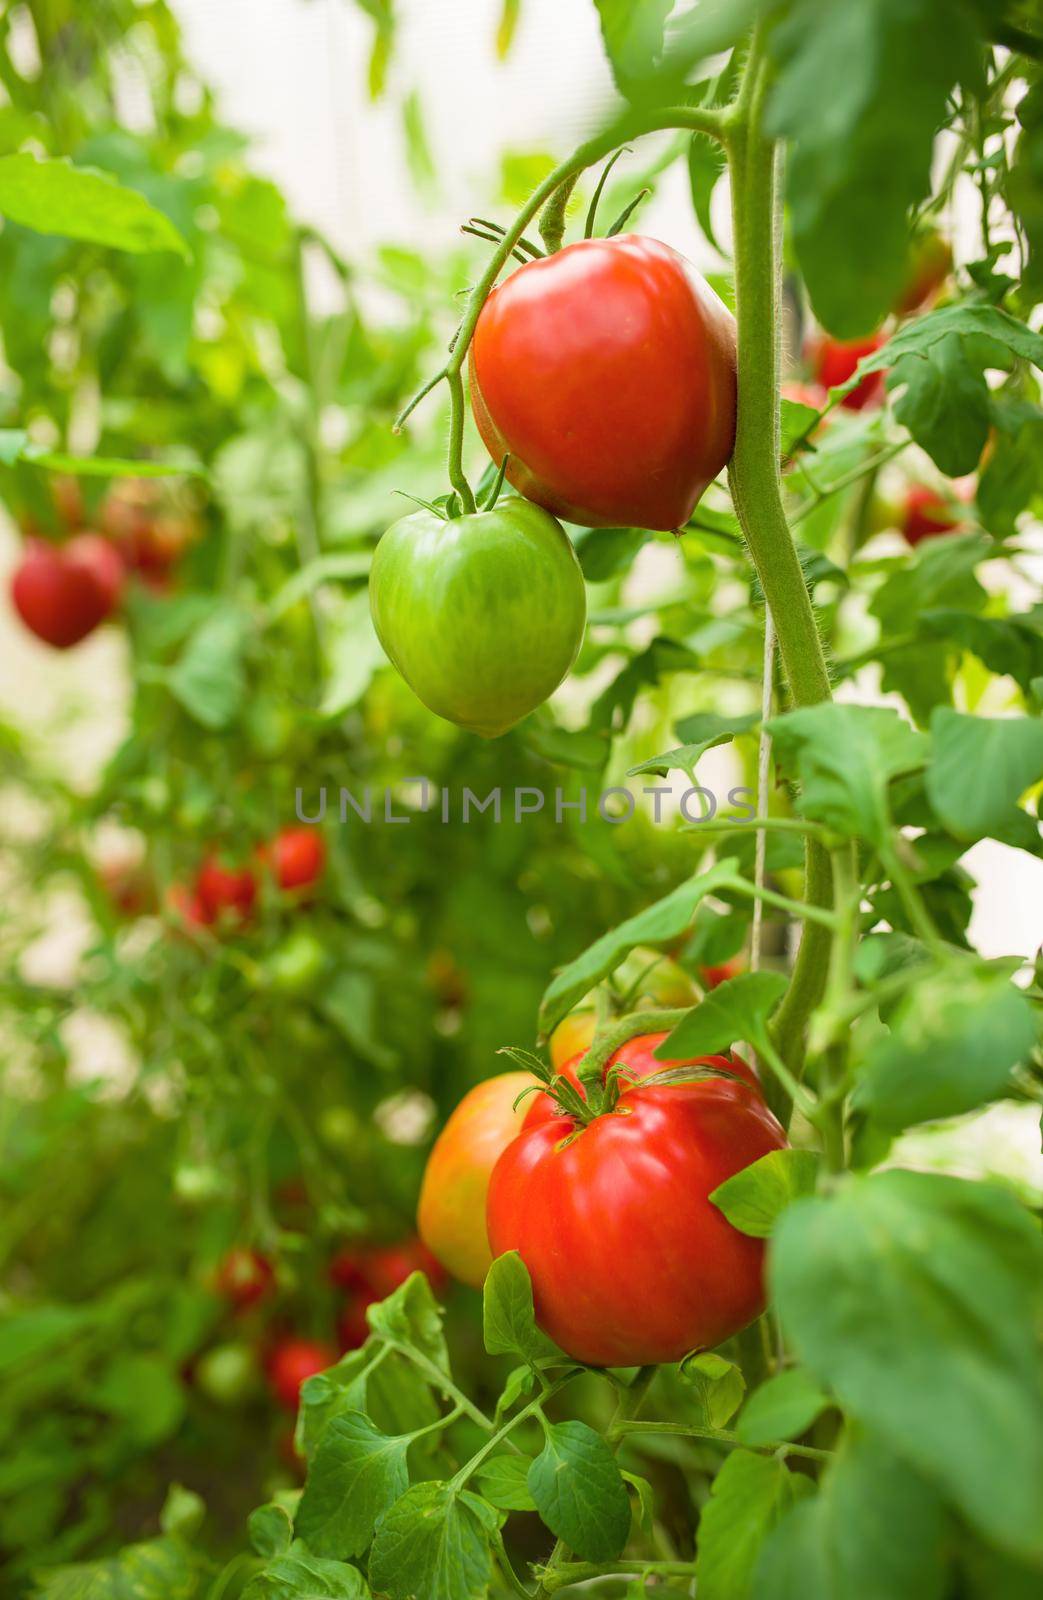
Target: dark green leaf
(356, 1474)
(579, 1492)
(433, 1545)
(736, 1009)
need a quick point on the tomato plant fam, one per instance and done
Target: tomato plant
(737, 881)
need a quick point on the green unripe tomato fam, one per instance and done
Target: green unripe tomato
(296, 965)
(483, 615)
(227, 1373)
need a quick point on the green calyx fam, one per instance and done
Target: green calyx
(482, 614)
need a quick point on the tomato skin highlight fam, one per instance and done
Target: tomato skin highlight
(483, 615)
(631, 1263)
(451, 1211)
(607, 372)
(833, 361)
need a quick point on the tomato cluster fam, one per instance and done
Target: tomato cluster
(63, 590)
(630, 1260)
(223, 893)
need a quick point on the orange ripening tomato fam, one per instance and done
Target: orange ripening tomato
(631, 1262)
(571, 1037)
(606, 372)
(451, 1213)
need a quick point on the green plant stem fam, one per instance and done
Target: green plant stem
(457, 476)
(721, 1436)
(839, 985)
(443, 1383)
(756, 486)
(534, 1408)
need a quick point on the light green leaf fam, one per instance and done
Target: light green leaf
(357, 1473)
(845, 756)
(508, 1320)
(782, 1408)
(504, 1483)
(915, 1298)
(270, 1528)
(354, 655)
(659, 924)
(736, 1009)
(157, 1569)
(979, 768)
(718, 1387)
(754, 1198)
(953, 1042)
(748, 1496)
(300, 1575)
(208, 678)
(80, 203)
(579, 1492)
(411, 1316)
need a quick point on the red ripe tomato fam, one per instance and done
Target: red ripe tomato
(710, 977)
(390, 1265)
(291, 1362)
(103, 559)
(631, 1262)
(186, 907)
(244, 1277)
(60, 596)
(638, 1056)
(833, 362)
(451, 1212)
(224, 889)
(607, 372)
(926, 512)
(297, 857)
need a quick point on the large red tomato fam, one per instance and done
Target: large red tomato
(451, 1213)
(607, 372)
(833, 361)
(631, 1263)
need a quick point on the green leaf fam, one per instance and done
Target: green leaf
(706, 162)
(858, 161)
(183, 1512)
(157, 1569)
(605, 553)
(299, 1575)
(579, 1492)
(145, 1394)
(634, 38)
(875, 1530)
(754, 1199)
(845, 756)
(748, 1496)
(979, 768)
(411, 1316)
(208, 678)
(504, 1483)
(736, 1009)
(80, 203)
(915, 1298)
(353, 656)
(717, 1387)
(357, 1473)
(1007, 645)
(329, 1394)
(508, 1320)
(659, 924)
(954, 1040)
(433, 1545)
(270, 1528)
(782, 1408)
(705, 731)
